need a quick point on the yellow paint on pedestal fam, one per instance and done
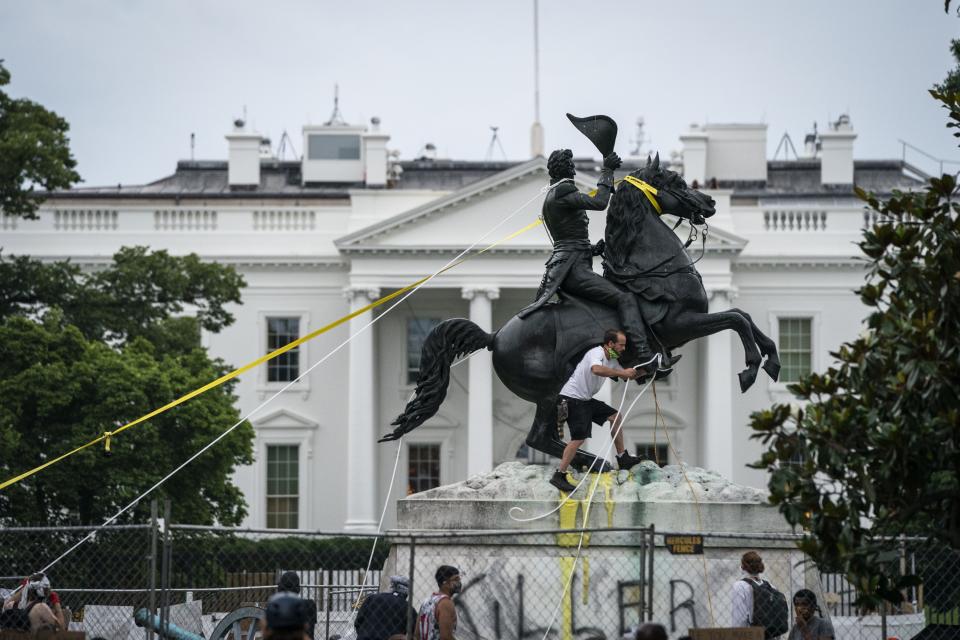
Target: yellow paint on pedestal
(566, 624)
(586, 580)
(568, 520)
(607, 480)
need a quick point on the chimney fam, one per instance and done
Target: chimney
(375, 155)
(836, 152)
(243, 159)
(694, 155)
(811, 144)
(536, 140)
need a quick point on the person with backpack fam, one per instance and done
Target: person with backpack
(809, 625)
(756, 603)
(385, 615)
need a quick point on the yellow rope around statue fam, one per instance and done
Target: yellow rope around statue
(108, 435)
(648, 190)
(658, 420)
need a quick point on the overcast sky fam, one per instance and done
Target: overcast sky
(135, 78)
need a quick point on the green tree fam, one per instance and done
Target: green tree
(34, 151)
(951, 84)
(875, 451)
(84, 353)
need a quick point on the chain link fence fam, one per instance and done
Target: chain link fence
(551, 584)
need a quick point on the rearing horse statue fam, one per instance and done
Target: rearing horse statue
(534, 356)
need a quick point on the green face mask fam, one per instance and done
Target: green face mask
(612, 354)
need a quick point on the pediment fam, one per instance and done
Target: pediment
(457, 220)
(284, 419)
(465, 217)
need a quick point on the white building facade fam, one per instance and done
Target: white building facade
(319, 238)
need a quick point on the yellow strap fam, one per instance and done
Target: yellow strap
(648, 190)
(273, 354)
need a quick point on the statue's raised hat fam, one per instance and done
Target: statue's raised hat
(600, 130)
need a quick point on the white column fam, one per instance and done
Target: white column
(717, 382)
(362, 507)
(480, 398)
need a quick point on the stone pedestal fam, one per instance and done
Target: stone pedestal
(521, 577)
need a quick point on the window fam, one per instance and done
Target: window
(656, 452)
(283, 481)
(417, 330)
(795, 348)
(280, 332)
(423, 467)
(333, 147)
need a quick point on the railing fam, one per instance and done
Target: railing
(284, 220)
(794, 220)
(185, 220)
(872, 218)
(85, 219)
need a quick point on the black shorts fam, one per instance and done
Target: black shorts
(582, 412)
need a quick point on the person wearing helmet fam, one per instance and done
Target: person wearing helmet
(290, 583)
(285, 618)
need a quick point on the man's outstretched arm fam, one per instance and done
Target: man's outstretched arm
(597, 202)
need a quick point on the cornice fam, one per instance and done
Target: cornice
(440, 250)
(288, 262)
(444, 203)
(374, 249)
(778, 263)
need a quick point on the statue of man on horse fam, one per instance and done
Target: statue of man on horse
(570, 267)
(650, 288)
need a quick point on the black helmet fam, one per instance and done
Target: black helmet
(286, 611)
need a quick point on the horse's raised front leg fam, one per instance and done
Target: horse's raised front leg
(544, 437)
(690, 325)
(767, 347)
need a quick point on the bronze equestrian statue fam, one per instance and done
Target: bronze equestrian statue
(570, 267)
(535, 352)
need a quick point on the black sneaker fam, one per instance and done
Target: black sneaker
(626, 461)
(559, 480)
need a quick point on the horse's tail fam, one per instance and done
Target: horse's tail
(448, 341)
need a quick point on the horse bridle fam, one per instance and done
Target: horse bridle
(651, 192)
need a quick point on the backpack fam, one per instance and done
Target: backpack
(769, 609)
(15, 619)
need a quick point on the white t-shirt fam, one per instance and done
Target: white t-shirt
(584, 384)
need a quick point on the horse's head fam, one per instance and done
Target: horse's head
(635, 237)
(672, 193)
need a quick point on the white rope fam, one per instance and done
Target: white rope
(383, 513)
(137, 500)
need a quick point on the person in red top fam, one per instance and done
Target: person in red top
(438, 616)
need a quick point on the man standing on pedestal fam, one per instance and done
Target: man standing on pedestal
(582, 409)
